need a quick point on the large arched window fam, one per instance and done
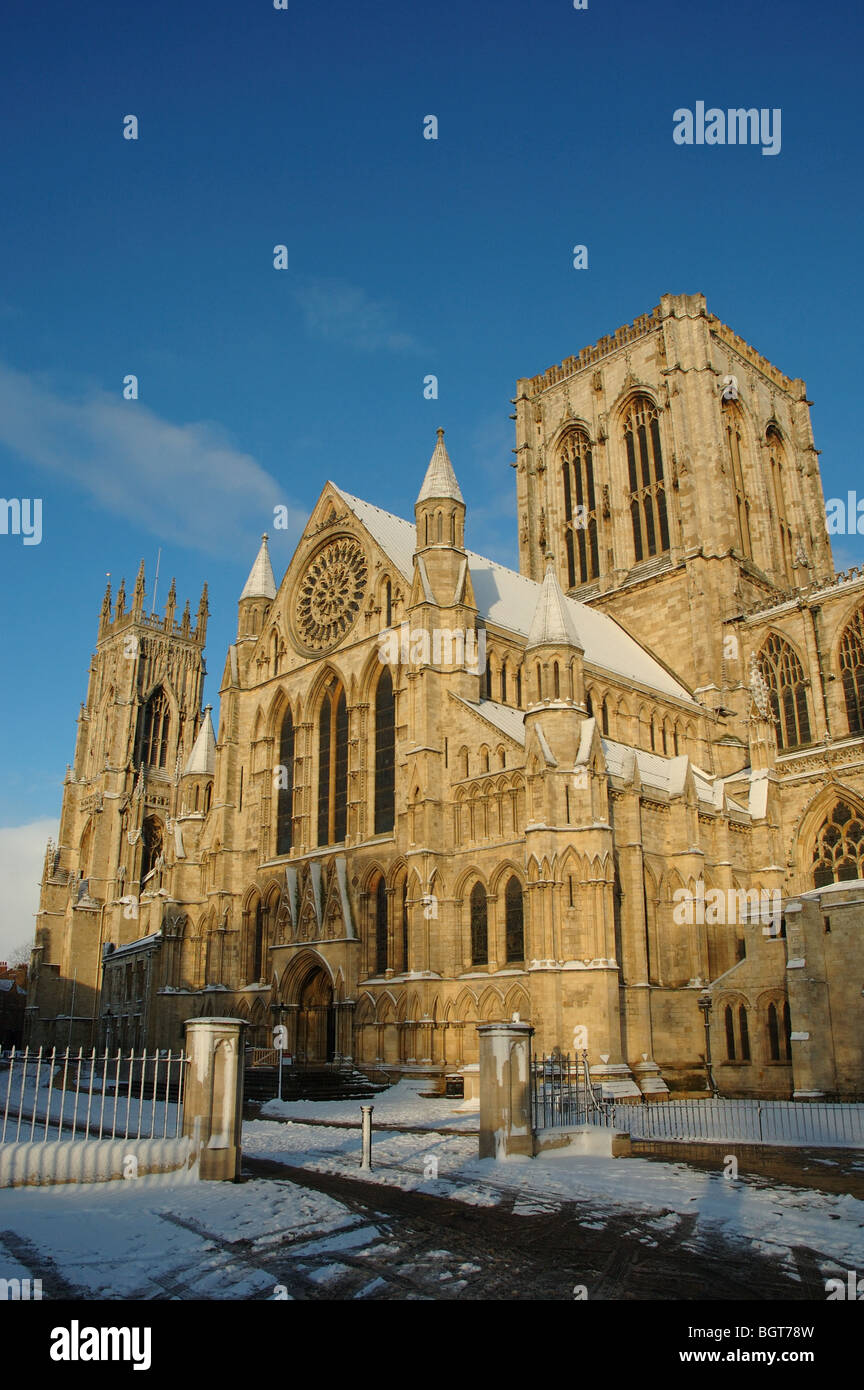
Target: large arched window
(735, 450)
(155, 727)
(385, 754)
(779, 488)
(787, 693)
(333, 768)
(838, 855)
(285, 804)
(580, 509)
(852, 667)
(647, 484)
(514, 929)
(479, 926)
(380, 926)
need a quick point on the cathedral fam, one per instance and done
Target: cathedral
(440, 792)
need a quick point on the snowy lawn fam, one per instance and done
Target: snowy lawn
(399, 1105)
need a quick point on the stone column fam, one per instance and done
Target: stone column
(213, 1096)
(505, 1089)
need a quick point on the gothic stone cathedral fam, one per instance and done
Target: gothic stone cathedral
(443, 792)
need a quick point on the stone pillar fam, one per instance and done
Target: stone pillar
(213, 1096)
(505, 1089)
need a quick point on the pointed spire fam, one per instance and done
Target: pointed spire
(105, 615)
(203, 614)
(170, 607)
(552, 624)
(120, 606)
(138, 599)
(260, 583)
(186, 620)
(202, 759)
(440, 480)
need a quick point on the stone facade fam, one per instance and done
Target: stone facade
(442, 792)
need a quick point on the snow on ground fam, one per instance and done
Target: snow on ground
(771, 1217)
(401, 1105)
(147, 1238)
(162, 1237)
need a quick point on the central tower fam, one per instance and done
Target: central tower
(671, 454)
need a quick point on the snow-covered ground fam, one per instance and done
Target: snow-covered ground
(271, 1237)
(400, 1105)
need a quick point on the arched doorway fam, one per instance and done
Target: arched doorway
(316, 1018)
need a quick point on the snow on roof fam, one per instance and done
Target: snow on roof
(509, 721)
(509, 600)
(131, 946)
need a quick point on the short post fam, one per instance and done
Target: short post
(213, 1095)
(280, 1042)
(505, 1089)
(366, 1161)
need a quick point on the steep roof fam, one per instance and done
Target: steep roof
(260, 583)
(509, 600)
(440, 480)
(202, 759)
(553, 623)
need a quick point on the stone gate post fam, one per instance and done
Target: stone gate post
(505, 1089)
(213, 1095)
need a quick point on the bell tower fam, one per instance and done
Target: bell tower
(106, 877)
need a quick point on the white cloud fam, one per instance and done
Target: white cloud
(22, 855)
(184, 483)
(342, 313)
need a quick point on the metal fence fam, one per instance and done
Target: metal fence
(746, 1121)
(562, 1093)
(48, 1095)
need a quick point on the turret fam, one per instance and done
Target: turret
(440, 518)
(258, 593)
(200, 769)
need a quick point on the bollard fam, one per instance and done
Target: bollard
(366, 1161)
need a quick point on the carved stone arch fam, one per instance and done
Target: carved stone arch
(810, 835)
(466, 880)
(466, 1006)
(631, 391)
(328, 678)
(364, 1011)
(492, 1005)
(532, 869)
(387, 1008)
(517, 1001)
(304, 963)
(672, 883)
(370, 876)
(573, 424)
(396, 873)
(501, 873)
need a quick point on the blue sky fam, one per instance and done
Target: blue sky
(406, 257)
